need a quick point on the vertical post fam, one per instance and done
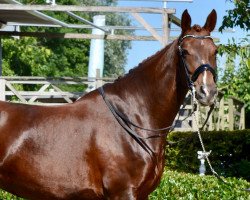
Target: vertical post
(96, 57)
(242, 117)
(2, 81)
(211, 126)
(98, 79)
(1, 57)
(221, 114)
(2, 89)
(165, 4)
(231, 114)
(165, 28)
(165, 25)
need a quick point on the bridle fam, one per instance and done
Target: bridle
(204, 67)
(127, 124)
(192, 78)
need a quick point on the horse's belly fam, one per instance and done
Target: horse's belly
(48, 183)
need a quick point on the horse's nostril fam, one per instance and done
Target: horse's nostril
(202, 90)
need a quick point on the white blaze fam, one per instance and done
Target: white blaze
(204, 80)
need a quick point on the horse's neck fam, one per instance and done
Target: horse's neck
(153, 89)
(151, 95)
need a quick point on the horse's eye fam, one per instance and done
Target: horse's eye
(185, 52)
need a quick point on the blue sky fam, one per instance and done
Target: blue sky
(198, 9)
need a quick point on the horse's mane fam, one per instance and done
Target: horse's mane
(148, 59)
(195, 27)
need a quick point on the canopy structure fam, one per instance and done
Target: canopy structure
(23, 17)
(14, 14)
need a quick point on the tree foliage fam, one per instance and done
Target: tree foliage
(236, 77)
(239, 16)
(63, 57)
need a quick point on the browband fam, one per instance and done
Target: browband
(195, 36)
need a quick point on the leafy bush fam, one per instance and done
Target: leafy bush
(7, 196)
(230, 152)
(179, 185)
(176, 185)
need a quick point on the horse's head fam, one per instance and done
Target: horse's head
(198, 54)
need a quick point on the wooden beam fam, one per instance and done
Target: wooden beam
(18, 7)
(57, 89)
(175, 20)
(77, 36)
(12, 89)
(42, 89)
(147, 26)
(165, 28)
(54, 80)
(23, 95)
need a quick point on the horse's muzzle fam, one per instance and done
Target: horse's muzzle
(206, 95)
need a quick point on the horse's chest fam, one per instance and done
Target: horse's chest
(150, 179)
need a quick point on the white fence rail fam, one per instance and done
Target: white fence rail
(229, 114)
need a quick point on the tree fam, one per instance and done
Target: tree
(239, 16)
(236, 77)
(63, 57)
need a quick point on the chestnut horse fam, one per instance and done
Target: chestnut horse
(81, 151)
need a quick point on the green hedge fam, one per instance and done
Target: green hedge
(230, 152)
(7, 196)
(177, 186)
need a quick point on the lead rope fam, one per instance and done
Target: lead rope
(199, 134)
(206, 154)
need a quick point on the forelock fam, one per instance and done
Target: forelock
(197, 28)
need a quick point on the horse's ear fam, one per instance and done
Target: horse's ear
(211, 21)
(185, 21)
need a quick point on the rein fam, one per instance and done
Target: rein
(120, 117)
(126, 123)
